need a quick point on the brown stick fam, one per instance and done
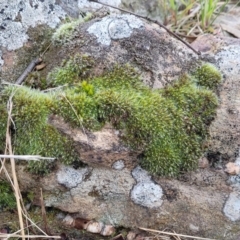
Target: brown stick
(29, 68)
(151, 20)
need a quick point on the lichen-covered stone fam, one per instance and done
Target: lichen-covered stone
(17, 16)
(232, 206)
(146, 192)
(118, 165)
(114, 28)
(71, 177)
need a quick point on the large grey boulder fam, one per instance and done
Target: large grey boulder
(112, 188)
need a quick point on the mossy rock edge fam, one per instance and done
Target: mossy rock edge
(169, 126)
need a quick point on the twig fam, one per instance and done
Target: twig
(151, 20)
(174, 234)
(29, 68)
(42, 54)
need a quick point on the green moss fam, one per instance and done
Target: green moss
(168, 125)
(77, 67)
(65, 32)
(32, 134)
(7, 198)
(208, 76)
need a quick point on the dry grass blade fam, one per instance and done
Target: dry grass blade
(158, 237)
(15, 181)
(27, 157)
(75, 112)
(22, 213)
(173, 234)
(7, 236)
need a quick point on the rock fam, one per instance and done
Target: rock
(232, 206)
(194, 228)
(118, 165)
(17, 17)
(232, 168)
(224, 52)
(99, 148)
(113, 190)
(203, 162)
(145, 192)
(152, 8)
(69, 177)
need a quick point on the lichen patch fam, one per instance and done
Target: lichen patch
(17, 16)
(145, 192)
(70, 177)
(232, 207)
(113, 28)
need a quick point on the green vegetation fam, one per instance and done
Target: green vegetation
(208, 76)
(190, 17)
(168, 125)
(73, 70)
(66, 31)
(7, 198)
(32, 135)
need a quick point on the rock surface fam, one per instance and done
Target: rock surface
(113, 189)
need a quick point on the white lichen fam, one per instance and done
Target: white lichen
(145, 192)
(118, 165)
(17, 16)
(114, 27)
(232, 206)
(70, 177)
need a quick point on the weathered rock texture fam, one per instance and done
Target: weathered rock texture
(112, 188)
(224, 131)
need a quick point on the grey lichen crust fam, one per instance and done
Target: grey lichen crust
(70, 177)
(118, 165)
(116, 27)
(146, 192)
(17, 16)
(232, 206)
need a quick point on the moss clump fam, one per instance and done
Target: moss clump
(168, 125)
(76, 68)
(32, 135)
(208, 76)
(65, 32)
(7, 198)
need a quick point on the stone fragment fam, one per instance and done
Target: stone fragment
(118, 165)
(193, 228)
(147, 194)
(90, 226)
(232, 168)
(203, 162)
